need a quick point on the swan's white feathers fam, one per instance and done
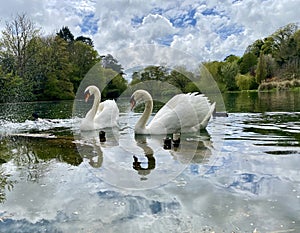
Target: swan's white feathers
(107, 114)
(183, 113)
(101, 115)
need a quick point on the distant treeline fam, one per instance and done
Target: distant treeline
(272, 62)
(37, 67)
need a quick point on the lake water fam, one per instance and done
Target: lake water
(240, 175)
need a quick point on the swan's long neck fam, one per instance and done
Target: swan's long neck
(141, 124)
(92, 113)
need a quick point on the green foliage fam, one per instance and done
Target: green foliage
(223, 73)
(82, 58)
(276, 56)
(154, 73)
(43, 67)
(109, 62)
(36, 67)
(247, 63)
(115, 87)
(149, 73)
(255, 48)
(15, 39)
(66, 34)
(268, 45)
(191, 87)
(261, 70)
(214, 68)
(179, 79)
(183, 80)
(228, 73)
(5, 184)
(245, 82)
(231, 58)
(54, 69)
(85, 40)
(11, 87)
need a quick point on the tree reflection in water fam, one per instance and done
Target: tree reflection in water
(31, 153)
(5, 184)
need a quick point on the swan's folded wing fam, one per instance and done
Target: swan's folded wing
(166, 120)
(183, 112)
(108, 115)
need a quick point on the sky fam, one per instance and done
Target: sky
(207, 30)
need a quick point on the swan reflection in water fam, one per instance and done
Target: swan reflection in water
(90, 144)
(143, 170)
(193, 148)
(185, 148)
(125, 160)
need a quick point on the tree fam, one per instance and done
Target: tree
(261, 70)
(15, 39)
(109, 62)
(115, 87)
(228, 72)
(58, 84)
(247, 63)
(268, 45)
(11, 87)
(85, 40)
(245, 82)
(178, 79)
(14, 50)
(231, 58)
(255, 48)
(136, 78)
(214, 68)
(182, 79)
(66, 34)
(52, 69)
(154, 73)
(82, 58)
(284, 46)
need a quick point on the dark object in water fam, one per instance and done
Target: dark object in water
(102, 136)
(35, 116)
(167, 143)
(220, 114)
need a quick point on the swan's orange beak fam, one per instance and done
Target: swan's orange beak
(87, 96)
(132, 103)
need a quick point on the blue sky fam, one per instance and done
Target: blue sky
(208, 30)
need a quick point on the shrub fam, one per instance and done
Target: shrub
(245, 82)
(267, 86)
(295, 83)
(279, 85)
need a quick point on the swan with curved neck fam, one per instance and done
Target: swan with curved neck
(183, 113)
(101, 115)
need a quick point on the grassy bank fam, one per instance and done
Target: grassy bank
(293, 85)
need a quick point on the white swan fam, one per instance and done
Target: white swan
(101, 115)
(183, 113)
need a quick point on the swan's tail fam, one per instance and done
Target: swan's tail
(206, 119)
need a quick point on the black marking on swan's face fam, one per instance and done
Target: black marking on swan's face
(87, 95)
(132, 103)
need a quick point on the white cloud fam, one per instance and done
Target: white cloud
(207, 30)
